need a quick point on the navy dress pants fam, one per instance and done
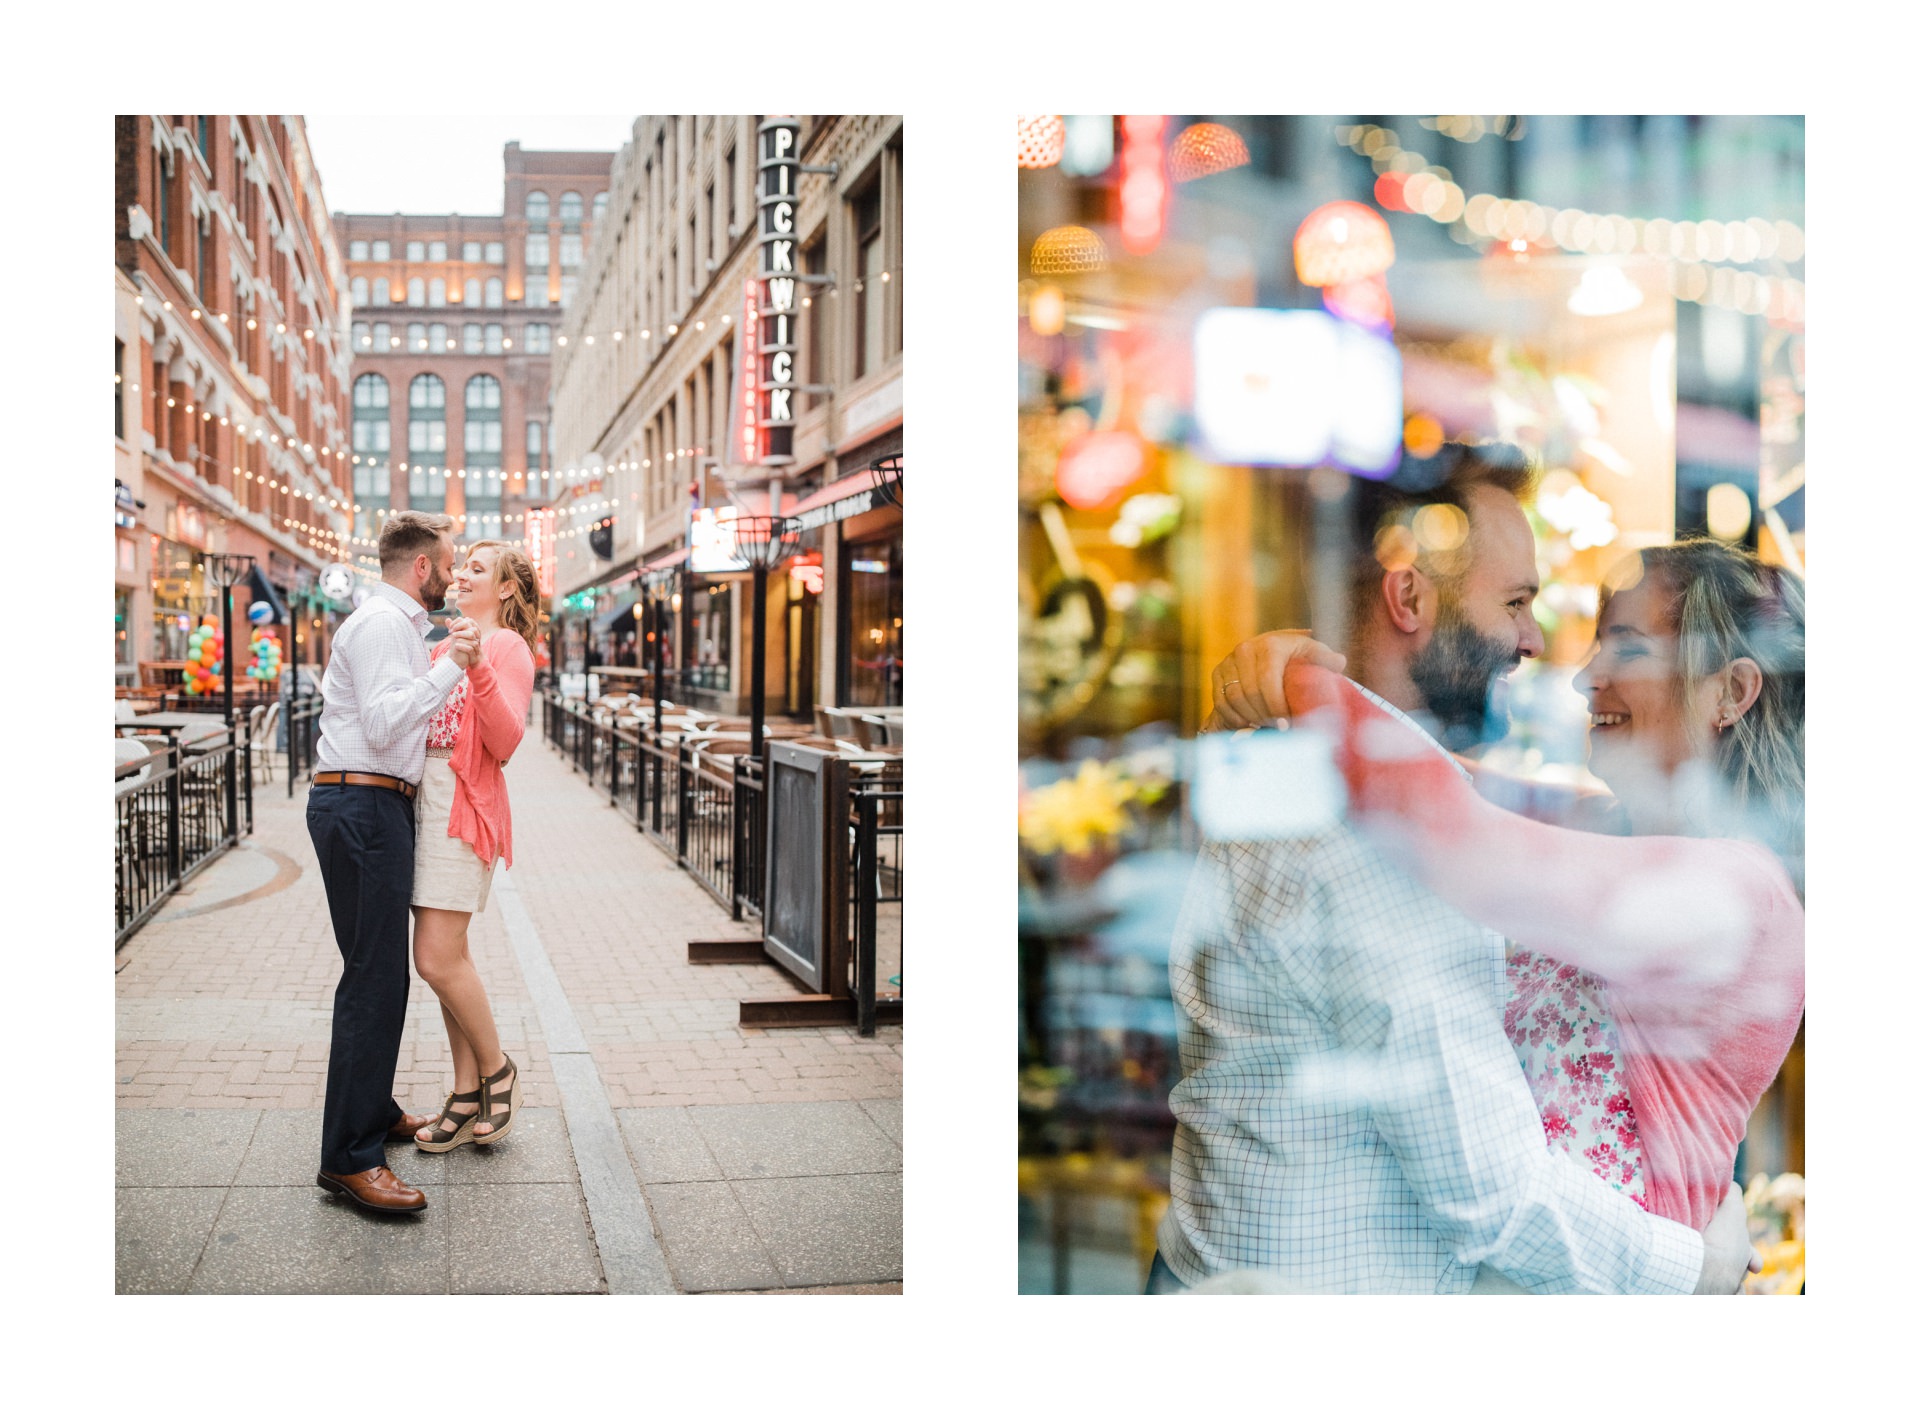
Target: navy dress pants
(364, 839)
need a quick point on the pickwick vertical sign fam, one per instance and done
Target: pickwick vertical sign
(779, 202)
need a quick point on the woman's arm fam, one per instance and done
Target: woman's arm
(1665, 913)
(500, 687)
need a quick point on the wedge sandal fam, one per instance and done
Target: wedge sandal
(438, 1137)
(498, 1110)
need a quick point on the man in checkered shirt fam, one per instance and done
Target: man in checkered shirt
(1352, 1117)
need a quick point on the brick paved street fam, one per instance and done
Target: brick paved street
(665, 1147)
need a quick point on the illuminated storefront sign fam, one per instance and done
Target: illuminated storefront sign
(747, 444)
(779, 203)
(808, 571)
(711, 535)
(539, 541)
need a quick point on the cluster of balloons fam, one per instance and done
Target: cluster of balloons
(206, 653)
(266, 655)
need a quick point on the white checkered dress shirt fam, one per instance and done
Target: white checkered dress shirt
(381, 687)
(1351, 1115)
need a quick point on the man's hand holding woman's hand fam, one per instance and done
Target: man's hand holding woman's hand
(1729, 1254)
(465, 636)
(1249, 685)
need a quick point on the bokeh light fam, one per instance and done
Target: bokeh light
(1729, 512)
(1095, 470)
(1068, 249)
(1206, 148)
(1042, 141)
(1341, 242)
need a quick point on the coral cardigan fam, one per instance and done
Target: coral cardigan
(1701, 941)
(499, 689)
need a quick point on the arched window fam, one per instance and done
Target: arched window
(471, 297)
(570, 207)
(417, 291)
(380, 292)
(599, 205)
(372, 446)
(427, 442)
(496, 294)
(537, 205)
(436, 293)
(483, 447)
(359, 291)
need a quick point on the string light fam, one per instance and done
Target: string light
(1408, 182)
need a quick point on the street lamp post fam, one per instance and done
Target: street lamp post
(764, 542)
(229, 569)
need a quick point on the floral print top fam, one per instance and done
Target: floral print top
(1558, 1023)
(443, 726)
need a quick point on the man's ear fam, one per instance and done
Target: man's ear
(1406, 593)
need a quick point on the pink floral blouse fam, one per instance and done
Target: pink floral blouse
(1557, 1021)
(443, 727)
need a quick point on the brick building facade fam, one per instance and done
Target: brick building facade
(230, 369)
(453, 320)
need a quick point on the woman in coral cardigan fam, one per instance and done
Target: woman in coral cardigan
(463, 825)
(1656, 980)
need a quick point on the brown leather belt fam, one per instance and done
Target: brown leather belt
(400, 786)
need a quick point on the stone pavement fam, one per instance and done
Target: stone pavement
(662, 1147)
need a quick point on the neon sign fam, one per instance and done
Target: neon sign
(779, 202)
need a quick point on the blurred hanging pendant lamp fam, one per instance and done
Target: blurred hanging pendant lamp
(1341, 243)
(1043, 140)
(1205, 148)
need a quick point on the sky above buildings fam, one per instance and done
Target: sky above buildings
(430, 165)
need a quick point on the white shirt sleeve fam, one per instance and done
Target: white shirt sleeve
(391, 698)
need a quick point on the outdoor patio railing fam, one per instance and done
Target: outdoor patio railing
(878, 873)
(171, 823)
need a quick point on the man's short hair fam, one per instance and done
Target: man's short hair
(1386, 512)
(408, 534)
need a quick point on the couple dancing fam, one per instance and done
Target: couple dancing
(408, 809)
(1381, 1021)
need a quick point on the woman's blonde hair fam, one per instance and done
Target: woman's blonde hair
(1723, 604)
(520, 610)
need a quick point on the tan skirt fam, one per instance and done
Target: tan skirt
(447, 875)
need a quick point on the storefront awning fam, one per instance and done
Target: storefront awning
(671, 560)
(845, 497)
(606, 620)
(263, 590)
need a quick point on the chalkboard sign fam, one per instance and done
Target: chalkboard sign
(804, 918)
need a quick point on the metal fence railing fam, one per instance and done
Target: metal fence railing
(879, 838)
(174, 812)
(714, 822)
(303, 731)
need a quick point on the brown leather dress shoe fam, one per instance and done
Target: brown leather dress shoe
(403, 1129)
(379, 1189)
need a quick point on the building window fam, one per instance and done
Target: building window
(372, 440)
(382, 250)
(496, 338)
(426, 435)
(869, 302)
(570, 251)
(203, 273)
(871, 583)
(732, 180)
(483, 448)
(416, 337)
(570, 208)
(533, 445)
(599, 206)
(436, 293)
(569, 286)
(470, 251)
(356, 249)
(536, 288)
(470, 336)
(496, 252)
(537, 206)
(163, 212)
(200, 137)
(417, 292)
(383, 337)
(813, 260)
(496, 293)
(416, 250)
(438, 339)
(362, 335)
(119, 390)
(471, 294)
(436, 250)
(359, 290)
(380, 292)
(536, 250)
(539, 338)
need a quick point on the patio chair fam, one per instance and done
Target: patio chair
(260, 737)
(127, 751)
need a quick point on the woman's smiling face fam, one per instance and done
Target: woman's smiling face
(1633, 692)
(473, 584)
